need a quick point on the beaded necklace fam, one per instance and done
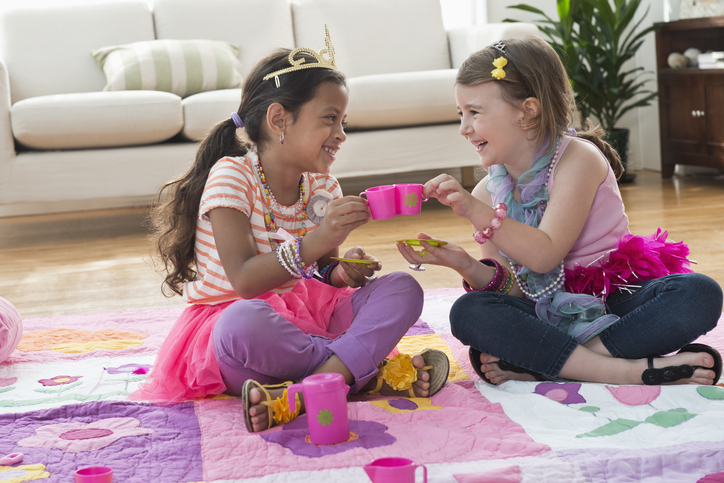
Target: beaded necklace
(558, 282)
(269, 223)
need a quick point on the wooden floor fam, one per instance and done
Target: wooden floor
(100, 261)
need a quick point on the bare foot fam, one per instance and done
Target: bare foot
(701, 375)
(260, 413)
(585, 365)
(489, 367)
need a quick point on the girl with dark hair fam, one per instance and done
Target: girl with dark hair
(249, 235)
(563, 289)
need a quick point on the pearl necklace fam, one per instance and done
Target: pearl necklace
(558, 282)
(269, 223)
(548, 290)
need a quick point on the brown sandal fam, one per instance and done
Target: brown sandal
(278, 408)
(399, 373)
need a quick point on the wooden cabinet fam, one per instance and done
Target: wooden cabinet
(691, 100)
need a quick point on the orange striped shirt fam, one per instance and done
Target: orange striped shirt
(234, 183)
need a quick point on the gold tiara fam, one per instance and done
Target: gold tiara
(300, 64)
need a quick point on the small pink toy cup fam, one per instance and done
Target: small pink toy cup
(394, 470)
(325, 399)
(94, 474)
(382, 201)
(409, 199)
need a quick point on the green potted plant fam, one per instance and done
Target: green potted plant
(595, 39)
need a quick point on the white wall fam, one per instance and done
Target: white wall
(644, 149)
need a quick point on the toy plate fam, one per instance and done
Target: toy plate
(416, 242)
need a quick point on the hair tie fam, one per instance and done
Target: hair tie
(237, 120)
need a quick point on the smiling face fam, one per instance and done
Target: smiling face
(318, 131)
(491, 124)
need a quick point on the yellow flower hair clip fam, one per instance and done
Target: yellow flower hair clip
(499, 63)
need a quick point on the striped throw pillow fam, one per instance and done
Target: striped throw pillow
(183, 67)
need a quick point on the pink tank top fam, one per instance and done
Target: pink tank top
(606, 223)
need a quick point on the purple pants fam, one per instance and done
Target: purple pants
(276, 350)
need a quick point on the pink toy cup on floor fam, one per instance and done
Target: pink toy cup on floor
(382, 201)
(325, 399)
(94, 474)
(394, 470)
(409, 199)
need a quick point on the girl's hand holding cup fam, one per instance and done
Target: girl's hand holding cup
(342, 217)
(450, 192)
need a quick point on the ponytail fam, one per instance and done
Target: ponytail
(176, 209)
(595, 135)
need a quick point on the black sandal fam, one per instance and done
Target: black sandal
(504, 366)
(656, 377)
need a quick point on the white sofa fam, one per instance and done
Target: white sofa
(66, 145)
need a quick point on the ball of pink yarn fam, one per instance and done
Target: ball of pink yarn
(11, 328)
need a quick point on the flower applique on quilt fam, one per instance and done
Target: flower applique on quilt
(19, 474)
(294, 436)
(64, 388)
(113, 433)
(76, 437)
(6, 383)
(568, 393)
(78, 341)
(405, 404)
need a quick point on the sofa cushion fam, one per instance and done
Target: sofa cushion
(182, 67)
(96, 119)
(403, 99)
(204, 111)
(256, 26)
(375, 36)
(46, 49)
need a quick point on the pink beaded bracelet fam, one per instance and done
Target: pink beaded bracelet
(501, 211)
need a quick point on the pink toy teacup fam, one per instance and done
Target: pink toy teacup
(390, 200)
(382, 201)
(409, 199)
(325, 399)
(394, 470)
(94, 474)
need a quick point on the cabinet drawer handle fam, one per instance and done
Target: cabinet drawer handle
(697, 113)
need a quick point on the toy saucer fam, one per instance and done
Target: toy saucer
(416, 242)
(356, 260)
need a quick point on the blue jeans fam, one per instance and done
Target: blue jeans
(659, 317)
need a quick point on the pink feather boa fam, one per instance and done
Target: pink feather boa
(635, 259)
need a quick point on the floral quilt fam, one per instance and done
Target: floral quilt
(63, 405)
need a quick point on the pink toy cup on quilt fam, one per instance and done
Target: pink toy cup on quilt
(382, 201)
(94, 474)
(409, 199)
(394, 470)
(325, 399)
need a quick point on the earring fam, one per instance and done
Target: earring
(281, 138)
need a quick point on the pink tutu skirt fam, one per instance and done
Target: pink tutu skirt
(636, 259)
(186, 367)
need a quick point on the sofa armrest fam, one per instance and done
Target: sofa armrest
(7, 143)
(466, 40)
